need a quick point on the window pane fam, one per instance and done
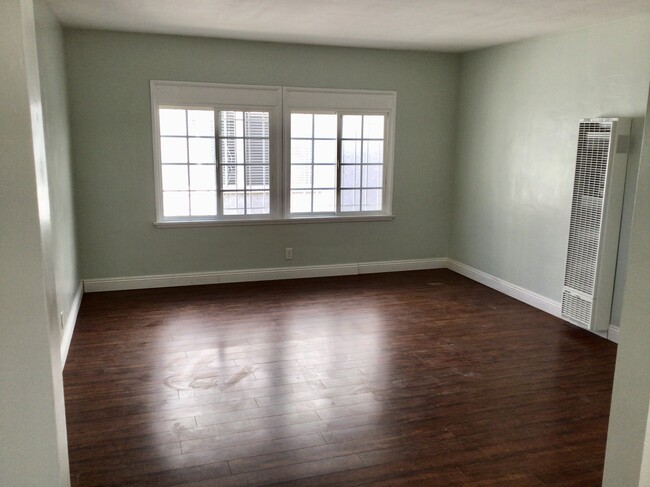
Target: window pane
(257, 177)
(204, 203)
(351, 128)
(371, 199)
(232, 124)
(256, 124)
(373, 126)
(300, 176)
(325, 152)
(301, 151)
(350, 176)
(301, 125)
(372, 176)
(233, 203)
(350, 200)
(232, 177)
(232, 151)
(373, 152)
(203, 177)
(324, 200)
(174, 178)
(351, 152)
(244, 158)
(257, 203)
(200, 122)
(325, 176)
(176, 203)
(202, 151)
(325, 126)
(172, 121)
(173, 150)
(257, 151)
(300, 201)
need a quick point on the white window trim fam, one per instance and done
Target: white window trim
(277, 221)
(343, 102)
(279, 102)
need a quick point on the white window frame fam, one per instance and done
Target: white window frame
(279, 102)
(342, 102)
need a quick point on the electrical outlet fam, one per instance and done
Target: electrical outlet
(288, 253)
(61, 319)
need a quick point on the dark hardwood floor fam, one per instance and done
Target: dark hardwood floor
(415, 378)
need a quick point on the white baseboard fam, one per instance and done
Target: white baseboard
(507, 288)
(614, 333)
(529, 297)
(246, 275)
(68, 329)
(402, 265)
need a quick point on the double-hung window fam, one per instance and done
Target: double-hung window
(238, 153)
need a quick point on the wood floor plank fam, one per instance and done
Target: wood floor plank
(410, 378)
(119, 468)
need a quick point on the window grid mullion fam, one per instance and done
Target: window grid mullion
(313, 165)
(363, 118)
(187, 150)
(243, 121)
(220, 165)
(339, 161)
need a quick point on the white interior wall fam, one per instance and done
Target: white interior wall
(627, 461)
(517, 132)
(33, 443)
(51, 66)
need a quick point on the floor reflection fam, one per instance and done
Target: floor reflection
(422, 377)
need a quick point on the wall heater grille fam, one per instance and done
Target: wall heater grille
(587, 205)
(595, 222)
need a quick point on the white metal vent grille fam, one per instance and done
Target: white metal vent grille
(587, 205)
(595, 222)
(576, 307)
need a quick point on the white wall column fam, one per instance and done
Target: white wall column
(33, 445)
(627, 461)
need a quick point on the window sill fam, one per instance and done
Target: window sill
(278, 221)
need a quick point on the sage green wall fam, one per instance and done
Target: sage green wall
(518, 119)
(49, 41)
(108, 85)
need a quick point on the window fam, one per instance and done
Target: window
(332, 173)
(187, 162)
(244, 159)
(235, 153)
(313, 163)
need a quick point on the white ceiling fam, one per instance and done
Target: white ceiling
(439, 25)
